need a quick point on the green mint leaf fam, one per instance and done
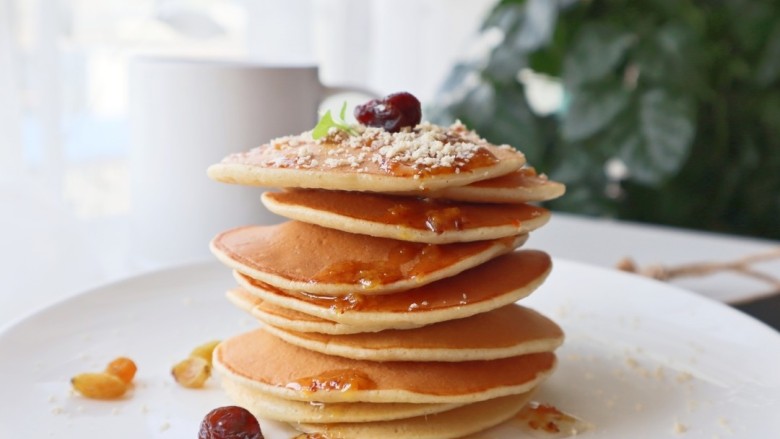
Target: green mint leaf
(323, 126)
(343, 112)
(327, 122)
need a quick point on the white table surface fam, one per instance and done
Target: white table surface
(47, 255)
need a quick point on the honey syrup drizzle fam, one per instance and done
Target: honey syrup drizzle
(438, 217)
(419, 213)
(446, 293)
(339, 304)
(339, 380)
(407, 260)
(481, 158)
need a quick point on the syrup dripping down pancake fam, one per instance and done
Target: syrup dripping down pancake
(305, 257)
(496, 283)
(406, 218)
(285, 318)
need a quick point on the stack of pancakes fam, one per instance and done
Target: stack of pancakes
(389, 298)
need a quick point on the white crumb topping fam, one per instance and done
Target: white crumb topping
(426, 146)
(423, 148)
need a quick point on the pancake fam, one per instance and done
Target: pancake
(521, 186)
(268, 406)
(305, 257)
(454, 423)
(508, 331)
(262, 361)
(499, 282)
(405, 218)
(290, 319)
(427, 157)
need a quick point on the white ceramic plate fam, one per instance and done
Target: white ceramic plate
(642, 359)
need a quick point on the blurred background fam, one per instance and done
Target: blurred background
(64, 68)
(69, 172)
(661, 111)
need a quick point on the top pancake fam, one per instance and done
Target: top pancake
(428, 157)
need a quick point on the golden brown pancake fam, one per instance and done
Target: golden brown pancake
(454, 423)
(499, 282)
(406, 218)
(521, 186)
(270, 365)
(427, 157)
(508, 331)
(268, 406)
(305, 257)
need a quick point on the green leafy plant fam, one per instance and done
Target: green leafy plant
(681, 96)
(327, 122)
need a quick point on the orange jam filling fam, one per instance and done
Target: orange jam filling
(341, 380)
(407, 260)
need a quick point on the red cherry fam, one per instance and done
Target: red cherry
(392, 113)
(230, 422)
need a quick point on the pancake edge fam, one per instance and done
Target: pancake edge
(420, 354)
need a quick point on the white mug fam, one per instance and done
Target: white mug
(188, 114)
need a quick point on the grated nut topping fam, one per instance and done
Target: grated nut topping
(420, 150)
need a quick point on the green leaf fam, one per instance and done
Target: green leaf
(323, 126)
(478, 106)
(750, 30)
(598, 50)
(548, 58)
(343, 112)
(585, 178)
(668, 127)
(526, 29)
(536, 26)
(505, 63)
(657, 147)
(591, 109)
(768, 69)
(327, 122)
(457, 83)
(515, 124)
(505, 16)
